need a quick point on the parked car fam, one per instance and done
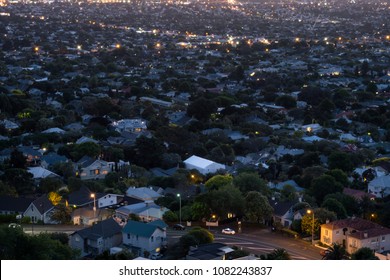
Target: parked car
(13, 225)
(228, 231)
(156, 256)
(179, 227)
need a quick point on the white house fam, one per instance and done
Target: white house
(108, 200)
(89, 168)
(41, 173)
(204, 166)
(141, 237)
(380, 186)
(40, 209)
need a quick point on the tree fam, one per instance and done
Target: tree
(19, 179)
(335, 252)
(54, 198)
(148, 151)
(321, 216)
(364, 253)
(286, 101)
(257, 207)
(324, 185)
(62, 214)
(201, 108)
(247, 182)
(340, 176)
(50, 184)
(225, 200)
(17, 159)
(277, 254)
(170, 217)
(288, 193)
(90, 149)
(201, 235)
(340, 160)
(218, 181)
(335, 206)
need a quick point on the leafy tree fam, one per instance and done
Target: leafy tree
(335, 252)
(247, 182)
(62, 214)
(19, 179)
(17, 159)
(350, 204)
(225, 200)
(257, 207)
(340, 160)
(335, 206)
(277, 254)
(5, 189)
(218, 181)
(286, 101)
(148, 151)
(200, 210)
(340, 176)
(54, 198)
(201, 108)
(321, 215)
(324, 185)
(170, 217)
(201, 235)
(16, 245)
(85, 149)
(50, 184)
(288, 193)
(364, 253)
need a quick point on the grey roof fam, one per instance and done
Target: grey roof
(209, 251)
(53, 158)
(43, 204)
(103, 229)
(82, 197)
(281, 207)
(14, 204)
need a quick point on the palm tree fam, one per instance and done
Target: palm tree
(336, 252)
(279, 254)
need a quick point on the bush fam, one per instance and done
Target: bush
(289, 232)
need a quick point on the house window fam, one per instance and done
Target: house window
(97, 172)
(128, 236)
(326, 232)
(77, 239)
(354, 243)
(337, 232)
(152, 239)
(383, 238)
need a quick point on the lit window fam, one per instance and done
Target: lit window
(326, 232)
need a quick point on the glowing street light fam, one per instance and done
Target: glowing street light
(94, 204)
(309, 211)
(179, 196)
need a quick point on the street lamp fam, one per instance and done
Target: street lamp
(179, 196)
(309, 211)
(94, 205)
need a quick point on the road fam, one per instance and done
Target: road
(261, 242)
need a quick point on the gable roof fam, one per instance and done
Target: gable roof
(40, 172)
(281, 207)
(43, 204)
(198, 161)
(82, 197)
(159, 223)
(103, 229)
(14, 204)
(354, 223)
(141, 229)
(143, 193)
(53, 158)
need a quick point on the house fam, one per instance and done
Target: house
(355, 233)
(97, 238)
(83, 197)
(130, 125)
(54, 130)
(357, 194)
(143, 193)
(40, 209)
(279, 186)
(147, 211)
(204, 166)
(49, 160)
(380, 186)
(87, 216)
(283, 211)
(41, 173)
(89, 168)
(9, 125)
(84, 139)
(211, 251)
(10, 205)
(109, 200)
(141, 237)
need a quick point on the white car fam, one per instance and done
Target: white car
(228, 231)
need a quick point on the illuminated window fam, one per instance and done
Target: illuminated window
(326, 232)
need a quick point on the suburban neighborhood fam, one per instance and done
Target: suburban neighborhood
(182, 130)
